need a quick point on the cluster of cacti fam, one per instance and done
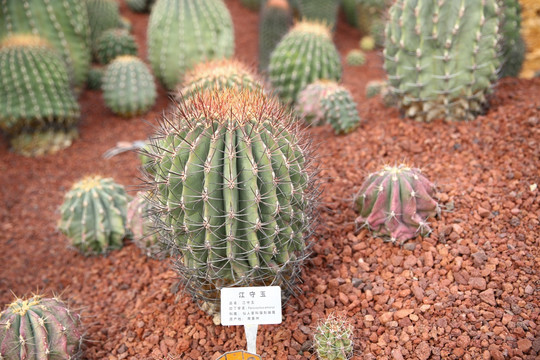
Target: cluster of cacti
(355, 57)
(513, 45)
(305, 54)
(93, 215)
(38, 110)
(252, 4)
(322, 11)
(95, 78)
(128, 86)
(64, 24)
(442, 69)
(102, 15)
(275, 21)
(140, 225)
(334, 339)
(40, 328)
(140, 5)
(113, 43)
(182, 33)
(233, 191)
(396, 203)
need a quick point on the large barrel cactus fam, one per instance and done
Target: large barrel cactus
(233, 189)
(307, 53)
(442, 69)
(63, 23)
(324, 11)
(93, 215)
(182, 33)
(40, 328)
(38, 110)
(513, 45)
(275, 21)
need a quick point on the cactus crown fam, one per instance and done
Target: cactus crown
(20, 306)
(319, 28)
(24, 40)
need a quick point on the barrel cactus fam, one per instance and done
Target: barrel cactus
(513, 45)
(140, 225)
(355, 57)
(64, 24)
(323, 11)
(233, 192)
(309, 106)
(375, 87)
(275, 21)
(128, 86)
(182, 33)
(113, 43)
(38, 111)
(102, 15)
(396, 203)
(95, 78)
(40, 328)
(334, 338)
(93, 215)
(306, 54)
(442, 69)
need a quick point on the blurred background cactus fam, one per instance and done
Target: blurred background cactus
(322, 11)
(140, 5)
(275, 21)
(95, 78)
(140, 225)
(182, 33)
(113, 43)
(334, 338)
(102, 15)
(513, 46)
(355, 57)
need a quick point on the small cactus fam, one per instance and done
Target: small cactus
(102, 15)
(275, 21)
(309, 106)
(113, 43)
(322, 11)
(333, 339)
(95, 78)
(396, 203)
(356, 57)
(40, 328)
(140, 225)
(374, 88)
(367, 43)
(128, 86)
(93, 215)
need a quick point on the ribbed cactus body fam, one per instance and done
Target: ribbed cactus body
(333, 339)
(102, 15)
(275, 21)
(95, 78)
(93, 215)
(355, 57)
(39, 328)
(128, 86)
(303, 56)
(442, 69)
(140, 225)
(182, 33)
(233, 192)
(323, 11)
(340, 110)
(38, 110)
(113, 43)
(63, 23)
(513, 45)
(396, 202)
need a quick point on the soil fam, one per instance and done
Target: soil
(470, 290)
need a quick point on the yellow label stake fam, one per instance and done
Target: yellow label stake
(239, 355)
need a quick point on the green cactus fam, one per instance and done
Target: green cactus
(113, 43)
(40, 328)
(233, 192)
(442, 69)
(95, 78)
(368, 12)
(396, 203)
(102, 15)
(140, 225)
(350, 11)
(128, 87)
(513, 45)
(333, 339)
(125, 24)
(374, 88)
(139, 6)
(307, 53)
(355, 57)
(64, 24)
(182, 33)
(252, 4)
(367, 43)
(93, 215)
(275, 21)
(322, 11)
(38, 111)
(309, 106)
(376, 31)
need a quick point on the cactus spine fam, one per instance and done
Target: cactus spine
(513, 45)
(113, 43)
(40, 328)
(182, 33)
(276, 20)
(333, 339)
(323, 11)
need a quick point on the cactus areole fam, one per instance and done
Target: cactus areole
(233, 191)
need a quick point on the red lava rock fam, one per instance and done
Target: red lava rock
(488, 297)
(400, 314)
(478, 283)
(396, 354)
(423, 351)
(524, 345)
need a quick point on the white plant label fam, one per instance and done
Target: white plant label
(259, 305)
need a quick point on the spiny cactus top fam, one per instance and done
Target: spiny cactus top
(441, 56)
(93, 215)
(396, 202)
(307, 53)
(275, 21)
(182, 33)
(40, 328)
(38, 110)
(233, 188)
(113, 43)
(333, 338)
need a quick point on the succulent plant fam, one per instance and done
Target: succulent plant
(113, 43)
(182, 33)
(125, 24)
(442, 69)
(139, 5)
(375, 87)
(233, 192)
(376, 31)
(275, 21)
(252, 4)
(95, 78)
(368, 12)
(306, 54)
(367, 43)
(128, 87)
(64, 24)
(333, 339)
(102, 15)
(309, 106)
(513, 45)
(38, 111)
(322, 11)
(356, 57)
(340, 109)
(396, 203)
(140, 225)
(40, 328)
(350, 11)
(93, 215)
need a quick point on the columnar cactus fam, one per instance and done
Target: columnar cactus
(513, 46)
(64, 24)
(102, 15)
(233, 192)
(396, 203)
(93, 215)
(40, 328)
(355, 57)
(333, 339)
(275, 21)
(323, 11)
(140, 225)
(128, 86)
(306, 54)
(113, 43)
(38, 110)
(182, 33)
(442, 69)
